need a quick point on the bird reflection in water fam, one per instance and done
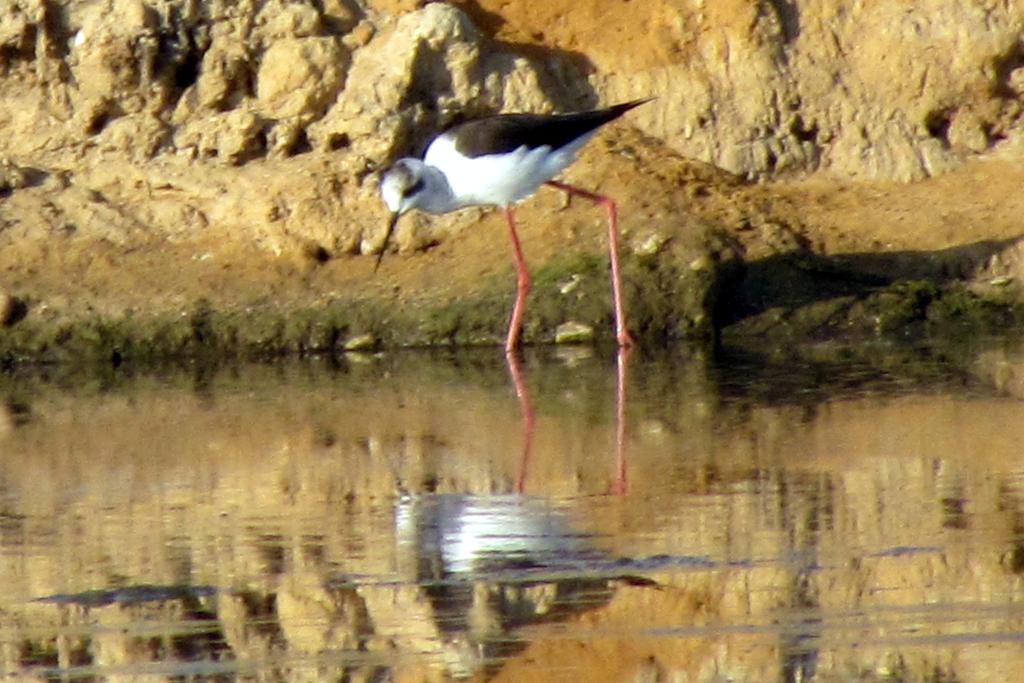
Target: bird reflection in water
(491, 565)
(515, 371)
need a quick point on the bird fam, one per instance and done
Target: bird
(501, 160)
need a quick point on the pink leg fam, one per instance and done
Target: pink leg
(622, 364)
(529, 419)
(621, 333)
(515, 326)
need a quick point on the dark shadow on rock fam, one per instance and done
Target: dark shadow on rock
(795, 280)
(563, 73)
(12, 311)
(21, 177)
(789, 18)
(490, 23)
(561, 77)
(34, 177)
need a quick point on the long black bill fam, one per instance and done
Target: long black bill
(387, 239)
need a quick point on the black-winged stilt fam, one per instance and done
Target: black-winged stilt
(498, 161)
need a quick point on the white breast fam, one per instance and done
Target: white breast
(498, 179)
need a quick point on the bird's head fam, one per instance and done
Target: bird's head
(403, 185)
(402, 188)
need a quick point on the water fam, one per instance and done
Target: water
(850, 515)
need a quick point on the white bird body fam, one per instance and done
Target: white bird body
(472, 534)
(498, 179)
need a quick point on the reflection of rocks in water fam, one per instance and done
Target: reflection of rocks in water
(13, 414)
(141, 625)
(1002, 367)
(179, 628)
(491, 565)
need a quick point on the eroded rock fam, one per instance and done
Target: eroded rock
(297, 79)
(414, 79)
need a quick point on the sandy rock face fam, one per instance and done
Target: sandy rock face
(927, 85)
(867, 90)
(433, 66)
(862, 90)
(299, 75)
(18, 19)
(175, 84)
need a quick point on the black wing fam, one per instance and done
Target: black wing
(508, 132)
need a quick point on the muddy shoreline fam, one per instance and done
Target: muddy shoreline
(711, 260)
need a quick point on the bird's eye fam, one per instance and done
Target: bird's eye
(413, 189)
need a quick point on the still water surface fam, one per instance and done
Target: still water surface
(847, 516)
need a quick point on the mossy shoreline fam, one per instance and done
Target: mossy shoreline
(667, 307)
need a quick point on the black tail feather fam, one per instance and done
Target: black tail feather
(508, 132)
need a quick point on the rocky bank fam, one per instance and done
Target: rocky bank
(183, 177)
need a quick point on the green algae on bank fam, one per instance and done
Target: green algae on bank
(675, 294)
(905, 308)
(665, 302)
